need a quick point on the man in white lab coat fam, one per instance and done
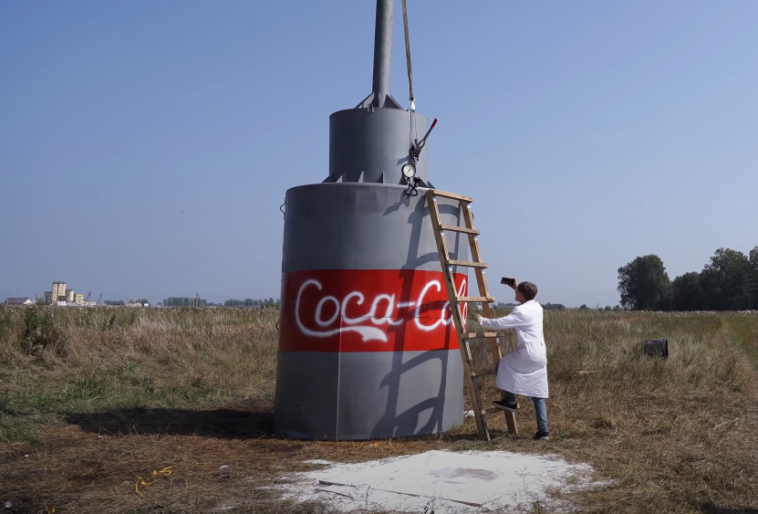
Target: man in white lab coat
(523, 371)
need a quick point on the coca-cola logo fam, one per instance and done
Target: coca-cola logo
(371, 318)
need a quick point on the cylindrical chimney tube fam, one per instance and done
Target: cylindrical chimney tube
(383, 49)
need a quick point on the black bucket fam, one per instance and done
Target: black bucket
(657, 348)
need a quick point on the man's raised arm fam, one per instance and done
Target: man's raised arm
(512, 320)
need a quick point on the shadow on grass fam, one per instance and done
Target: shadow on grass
(710, 508)
(219, 423)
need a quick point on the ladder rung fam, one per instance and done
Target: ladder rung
(467, 264)
(465, 230)
(487, 299)
(472, 335)
(493, 410)
(452, 196)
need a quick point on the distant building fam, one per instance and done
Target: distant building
(18, 301)
(61, 295)
(58, 293)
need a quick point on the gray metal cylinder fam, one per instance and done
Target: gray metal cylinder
(371, 145)
(367, 349)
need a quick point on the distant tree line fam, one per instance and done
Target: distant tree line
(729, 282)
(547, 306)
(178, 301)
(248, 302)
(182, 301)
(584, 307)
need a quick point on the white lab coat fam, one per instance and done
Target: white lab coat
(523, 371)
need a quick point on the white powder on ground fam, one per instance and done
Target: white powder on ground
(446, 482)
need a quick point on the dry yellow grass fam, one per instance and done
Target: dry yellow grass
(99, 398)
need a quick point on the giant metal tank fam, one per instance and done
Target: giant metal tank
(367, 347)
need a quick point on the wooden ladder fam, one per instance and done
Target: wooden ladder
(464, 337)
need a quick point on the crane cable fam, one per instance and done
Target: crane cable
(408, 54)
(412, 129)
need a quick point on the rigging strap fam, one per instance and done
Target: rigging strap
(408, 54)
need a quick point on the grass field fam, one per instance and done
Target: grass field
(93, 399)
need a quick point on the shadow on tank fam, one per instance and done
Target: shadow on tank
(407, 422)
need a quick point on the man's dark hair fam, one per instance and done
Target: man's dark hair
(527, 289)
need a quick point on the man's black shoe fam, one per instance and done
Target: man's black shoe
(506, 405)
(542, 436)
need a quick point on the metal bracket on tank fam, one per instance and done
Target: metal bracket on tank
(419, 145)
(413, 183)
(414, 153)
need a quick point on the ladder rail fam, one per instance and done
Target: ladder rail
(480, 279)
(472, 381)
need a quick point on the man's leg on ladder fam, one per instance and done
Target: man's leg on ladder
(508, 402)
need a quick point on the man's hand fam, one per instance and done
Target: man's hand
(478, 317)
(515, 285)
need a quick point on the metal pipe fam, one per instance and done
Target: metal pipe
(383, 49)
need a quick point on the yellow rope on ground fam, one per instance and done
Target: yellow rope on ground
(141, 482)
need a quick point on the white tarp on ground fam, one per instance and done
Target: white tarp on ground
(447, 482)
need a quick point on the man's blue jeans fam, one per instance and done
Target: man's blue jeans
(539, 407)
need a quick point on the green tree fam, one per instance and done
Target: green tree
(753, 259)
(583, 307)
(644, 284)
(725, 281)
(687, 293)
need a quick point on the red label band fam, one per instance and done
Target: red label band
(367, 311)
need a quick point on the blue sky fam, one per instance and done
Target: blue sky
(145, 147)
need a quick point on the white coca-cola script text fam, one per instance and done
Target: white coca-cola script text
(367, 325)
